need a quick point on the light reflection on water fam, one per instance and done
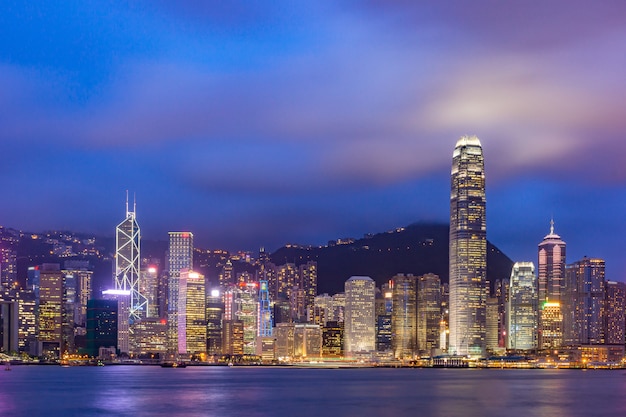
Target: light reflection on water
(265, 391)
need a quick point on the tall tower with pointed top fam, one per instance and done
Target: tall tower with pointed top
(551, 266)
(127, 262)
(468, 249)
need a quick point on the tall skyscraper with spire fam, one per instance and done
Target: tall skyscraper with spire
(468, 249)
(128, 262)
(551, 267)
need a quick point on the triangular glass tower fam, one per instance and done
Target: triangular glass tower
(127, 263)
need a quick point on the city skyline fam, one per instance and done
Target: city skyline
(257, 124)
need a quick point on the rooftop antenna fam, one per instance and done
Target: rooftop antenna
(126, 203)
(134, 202)
(552, 225)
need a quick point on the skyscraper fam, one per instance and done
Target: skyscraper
(180, 256)
(615, 302)
(192, 327)
(551, 268)
(428, 312)
(360, 319)
(127, 262)
(468, 249)
(521, 308)
(583, 304)
(404, 316)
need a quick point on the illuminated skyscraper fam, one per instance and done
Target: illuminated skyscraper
(123, 313)
(428, 312)
(468, 249)
(360, 319)
(127, 262)
(615, 331)
(50, 318)
(521, 308)
(583, 303)
(180, 256)
(191, 313)
(404, 316)
(265, 313)
(551, 267)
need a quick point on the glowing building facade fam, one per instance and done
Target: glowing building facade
(180, 256)
(360, 318)
(127, 263)
(192, 327)
(428, 312)
(468, 249)
(615, 332)
(404, 316)
(584, 303)
(551, 273)
(521, 308)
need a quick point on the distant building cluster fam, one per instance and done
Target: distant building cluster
(170, 311)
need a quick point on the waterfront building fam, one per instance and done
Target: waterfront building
(241, 303)
(50, 320)
(551, 325)
(102, 325)
(551, 273)
(214, 311)
(583, 304)
(27, 316)
(122, 298)
(191, 313)
(360, 321)
(384, 309)
(284, 337)
(307, 341)
(468, 249)
(323, 309)
(127, 262)
(9, 326)
(149, 339)
(404, 316)
(428, 312)
(521, 308)
(232, 337)
(179, 257)
(492, 325)
(615, 330)
(332, 339)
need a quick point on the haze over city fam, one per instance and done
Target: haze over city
(256, 123)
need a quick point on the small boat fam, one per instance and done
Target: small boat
(7, 366)
(231, 364)
(173, 365)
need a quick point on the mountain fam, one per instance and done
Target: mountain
(417, 249)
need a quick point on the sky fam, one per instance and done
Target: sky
(258, 123)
